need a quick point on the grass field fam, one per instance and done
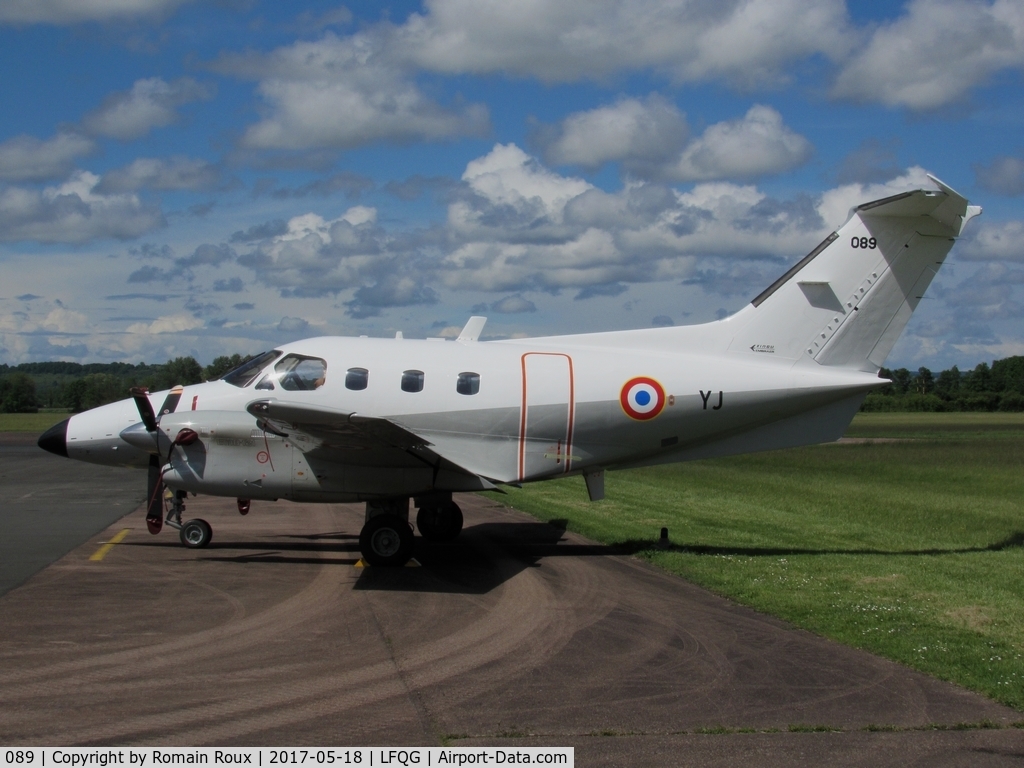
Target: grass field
(911, 546)
(29, 422)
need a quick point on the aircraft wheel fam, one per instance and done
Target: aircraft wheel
(196, 534)
(386, 540)
(440, 523)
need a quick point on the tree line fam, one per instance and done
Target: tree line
(999, 387)
(76, 387)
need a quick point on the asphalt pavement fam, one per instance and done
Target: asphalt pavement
(518, 633)
(50, 505)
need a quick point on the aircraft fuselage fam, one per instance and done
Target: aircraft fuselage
(539, 409)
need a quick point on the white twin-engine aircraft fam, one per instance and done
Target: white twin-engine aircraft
(388, 420)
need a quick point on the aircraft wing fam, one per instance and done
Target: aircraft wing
(327, 434)
(333, 427)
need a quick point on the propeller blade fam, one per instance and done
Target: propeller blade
(171, 401)
(155, 495)
(141, 397)
(155, 486)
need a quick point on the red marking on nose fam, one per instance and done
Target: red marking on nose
(195, 399)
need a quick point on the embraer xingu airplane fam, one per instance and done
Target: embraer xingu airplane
(384, 421)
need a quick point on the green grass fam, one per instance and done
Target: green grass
(29, 422)
(912, 549)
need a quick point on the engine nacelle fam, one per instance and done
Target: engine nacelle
(231, 457)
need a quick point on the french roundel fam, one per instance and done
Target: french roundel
(642, 398)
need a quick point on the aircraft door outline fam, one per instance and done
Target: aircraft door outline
(543, 372)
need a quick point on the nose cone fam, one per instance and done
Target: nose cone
(55, 439)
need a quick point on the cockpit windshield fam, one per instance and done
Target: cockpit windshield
(244, 374)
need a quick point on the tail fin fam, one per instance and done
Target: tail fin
(847, 302)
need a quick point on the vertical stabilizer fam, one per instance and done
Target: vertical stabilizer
(847, 302)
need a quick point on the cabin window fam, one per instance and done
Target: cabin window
(412, 381)
(468, 383)
(356, 378)
(297, 372)
(246, 373)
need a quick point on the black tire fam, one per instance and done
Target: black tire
(386, 540)
(196, 534)
(440, 523)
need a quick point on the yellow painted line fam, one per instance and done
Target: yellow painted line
(413, 563)
(100, 553)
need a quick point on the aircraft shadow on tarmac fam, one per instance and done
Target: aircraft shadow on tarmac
(488, 554)
(1013, 541)
(483, 557)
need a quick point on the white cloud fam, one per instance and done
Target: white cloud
(318, 257)
(151, 103)
(508, 176)
(73, 212)
(511, 305)
(528, 228)
(743, 41)
(516, 226)
(75, 11)
(759, 144)
(340, 93)
(993, 241)
(64, 320)
(649, 138)
(167, 324)
(634, 131)
(26, 158)
(160, 173)
(935, 53)
(292, 324)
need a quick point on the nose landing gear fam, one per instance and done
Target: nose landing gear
(194, 534)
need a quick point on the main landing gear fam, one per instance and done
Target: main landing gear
(387, 539)
(439, 522)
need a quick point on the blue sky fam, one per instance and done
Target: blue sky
(203, 178)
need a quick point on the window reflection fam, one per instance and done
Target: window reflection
(297, 372)
(412, 381)
(356, 378)
(468, 383)
(245, 374)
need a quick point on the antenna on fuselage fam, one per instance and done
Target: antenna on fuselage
(473, 328)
